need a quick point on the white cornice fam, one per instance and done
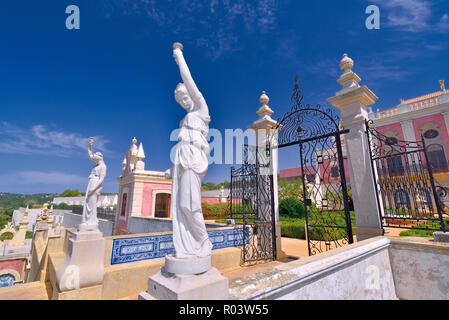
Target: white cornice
(139, 177)
(362, 94)
(412, 114)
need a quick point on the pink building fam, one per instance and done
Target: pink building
(145, 193)
(142, 193)
(426, 116)
(12, 271)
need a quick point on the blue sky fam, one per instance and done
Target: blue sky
(114, 77)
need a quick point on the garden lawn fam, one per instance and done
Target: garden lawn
(413, 232)
(295, 227)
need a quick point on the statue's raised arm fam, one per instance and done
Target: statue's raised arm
(189, 84)
(89, 149)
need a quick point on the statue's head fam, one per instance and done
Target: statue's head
(182, 96)
(97, 157)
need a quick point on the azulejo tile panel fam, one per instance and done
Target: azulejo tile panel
(7, 280)
(126, 250)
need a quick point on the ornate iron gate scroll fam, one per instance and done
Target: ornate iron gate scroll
(251, 203)
(410, 195)
(316, 131)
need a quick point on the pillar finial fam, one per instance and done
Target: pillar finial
(348, 80)
(346, 63)
(264, 98)
(264, 110)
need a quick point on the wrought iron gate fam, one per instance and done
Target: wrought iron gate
(316, 132)
(410, 195)
(251, 204)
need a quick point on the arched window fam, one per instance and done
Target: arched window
(437, 158)
(162, 205)
(123, 208)
(395, 166)
(401, 199)
(335, 172)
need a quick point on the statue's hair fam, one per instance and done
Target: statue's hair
(180, 90)
(99, 154)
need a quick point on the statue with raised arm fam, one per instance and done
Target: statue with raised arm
(190, 237)
(94, 187)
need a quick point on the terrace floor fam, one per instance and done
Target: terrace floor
(293, 248)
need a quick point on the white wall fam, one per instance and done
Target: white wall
(420, 269)
(150, 225)
(375, 269)
(358, 271)
(72, 220)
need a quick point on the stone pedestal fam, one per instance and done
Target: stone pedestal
(186, 284)
(88, 227)
(440, 236)
(84, 263)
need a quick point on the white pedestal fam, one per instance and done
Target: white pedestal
(187, 266)
(209, 285)
(84, 263)
(87, 227)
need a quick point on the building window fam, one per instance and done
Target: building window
(391, 141)
(161, 207)
(437, 158)
(395, 166)
(431, 134)
(335, 172)
(123, 208)
(401, 199)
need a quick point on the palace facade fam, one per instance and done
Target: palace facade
(425, 118)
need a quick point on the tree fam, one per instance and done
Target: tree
(71, 193)
(291, 190)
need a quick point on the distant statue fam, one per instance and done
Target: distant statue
(190, 237)
(94, 187)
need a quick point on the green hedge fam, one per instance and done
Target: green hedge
(434, 225)
(291, 207)
(293, 229)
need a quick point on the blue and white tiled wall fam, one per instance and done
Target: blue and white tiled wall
(126, 250)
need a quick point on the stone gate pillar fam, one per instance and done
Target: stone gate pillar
(352, 101)
(265, 128)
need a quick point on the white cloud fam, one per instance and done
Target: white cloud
(221, 22)
(412, 15)
(443, 25)
(40, 140)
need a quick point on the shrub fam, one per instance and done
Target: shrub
(29, 235)
(223, 209)
(208, 210)
(218, 210)
(292, 208)
(293, 229)
(6, 236)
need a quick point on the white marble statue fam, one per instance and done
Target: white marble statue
(94, 187)
(190, 237)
